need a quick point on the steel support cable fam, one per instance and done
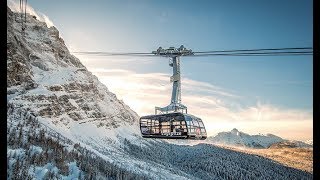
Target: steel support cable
(249, 50)
(214, 54)
(21, 11)
(132, 55)
(242, 52)
(204, 55)
(20, 6)
(259, 53)
(303, 54)
(25, 13)
(109, 53)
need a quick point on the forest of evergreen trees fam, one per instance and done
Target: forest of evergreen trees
(205, 161)
(21, 158)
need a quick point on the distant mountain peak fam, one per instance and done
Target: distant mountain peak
(238, 138)
(234, 130)
(271, 135)
(310, 142)
(290, 144)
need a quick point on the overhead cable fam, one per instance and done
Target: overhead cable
(241, 52)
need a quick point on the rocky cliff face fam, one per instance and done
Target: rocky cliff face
(46, 80)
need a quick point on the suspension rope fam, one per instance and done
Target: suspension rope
(270, 49)
(258, 53)
(295, 51)
(25, 13)
(21, 2)
(109, 53)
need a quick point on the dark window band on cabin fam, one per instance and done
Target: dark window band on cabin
(172, 126)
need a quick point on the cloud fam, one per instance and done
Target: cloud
(14, 5)
(267, 112)
(161, 81)
(206, 87)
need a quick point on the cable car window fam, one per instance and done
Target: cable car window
(165, 123)
(201, 124)
(165, 130)
(189, 123)
(176, 122)
(188, 118)
(173, 126)
(179, 118)
(195, 123)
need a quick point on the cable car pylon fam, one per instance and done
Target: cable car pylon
(173, 121)
(174, 55)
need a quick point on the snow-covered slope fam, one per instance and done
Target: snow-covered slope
(64, 124)
(310, 142)
(290, 144)
(237, 138)
(240, 139)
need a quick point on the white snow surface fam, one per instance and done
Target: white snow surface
(310, 142)
(237, 138)
(35, 149)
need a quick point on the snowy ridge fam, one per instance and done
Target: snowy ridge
(290, 144)
(310, 142)
(237, 138)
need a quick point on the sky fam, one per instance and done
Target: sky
(272, 94)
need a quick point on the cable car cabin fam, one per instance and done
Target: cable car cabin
(172, 126)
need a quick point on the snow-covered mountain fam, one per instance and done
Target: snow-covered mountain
(240, 139)
(46, 79)
(237, 138)
(290, 144)
(310, 142)
(62, 123)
